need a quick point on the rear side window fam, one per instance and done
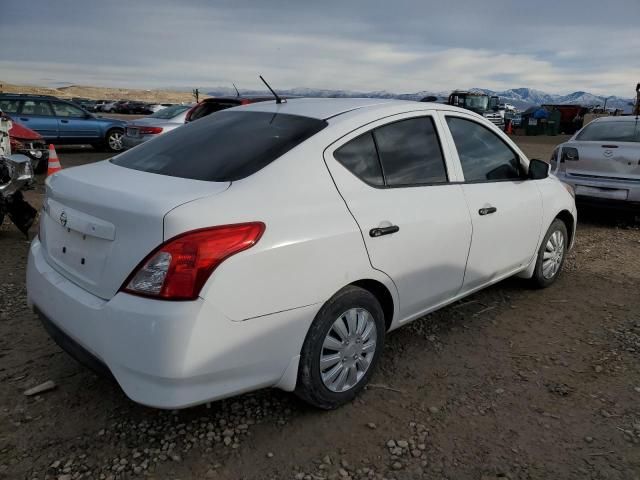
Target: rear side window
(360, 157)
(226, 146)
(615, 131)
(410, 152)
(36, 107)
(483, 155)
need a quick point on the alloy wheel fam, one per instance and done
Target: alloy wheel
(115, 141)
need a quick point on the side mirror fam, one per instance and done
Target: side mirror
(538, 169)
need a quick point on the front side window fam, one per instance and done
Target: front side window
(359, 156)
(66, 110)
(612, 131)
(222, 147)
(483, 155)
(410, 152)
(36, 107)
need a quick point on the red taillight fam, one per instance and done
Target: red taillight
(149, 130)
(179, 268)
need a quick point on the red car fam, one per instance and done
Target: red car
(215, 104)
(27, 142)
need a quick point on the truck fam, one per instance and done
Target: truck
(478, 102)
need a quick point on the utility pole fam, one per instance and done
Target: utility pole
(196, 94)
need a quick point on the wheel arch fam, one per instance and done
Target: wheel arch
(570, 222)
(382, 294)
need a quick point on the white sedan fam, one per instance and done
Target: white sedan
(275, 245)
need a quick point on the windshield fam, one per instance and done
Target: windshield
(476, 102)
(223, 147)
(170, 112)
(612, 131)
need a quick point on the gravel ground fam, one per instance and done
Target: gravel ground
(508, 383)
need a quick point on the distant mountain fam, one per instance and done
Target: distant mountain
(521, 98)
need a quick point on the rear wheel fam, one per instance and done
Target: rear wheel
(342, 349)
(113, 140)
(551, 255)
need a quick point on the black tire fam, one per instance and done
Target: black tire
(310, 386)
(110, 146)
(539, 279)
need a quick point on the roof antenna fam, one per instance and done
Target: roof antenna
(278, 99)
(237, 92)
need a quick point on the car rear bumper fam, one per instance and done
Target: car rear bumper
(130, 142)
(166, 354)
(604, 191)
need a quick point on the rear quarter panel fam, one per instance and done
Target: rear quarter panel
(310, 249)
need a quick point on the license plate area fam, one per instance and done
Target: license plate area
(608, 193)
(132, 132)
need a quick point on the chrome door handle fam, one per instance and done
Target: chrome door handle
(378, 232)
(487, 210)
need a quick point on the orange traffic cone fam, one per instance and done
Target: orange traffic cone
(54, 162)
(509, 129)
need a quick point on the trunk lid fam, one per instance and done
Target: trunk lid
(614, 160)
(100, 220)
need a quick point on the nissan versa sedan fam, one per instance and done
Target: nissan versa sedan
(277, 244)
(143, 129)
(602, 162)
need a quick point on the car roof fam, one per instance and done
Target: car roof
(326, 108)
(624, 118)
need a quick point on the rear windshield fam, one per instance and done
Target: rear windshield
(222, 147)
(207, 108)
(615, 131)
(170, 112)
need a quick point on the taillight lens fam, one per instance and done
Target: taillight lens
(570, 154)
(149, 130)
(179, 268)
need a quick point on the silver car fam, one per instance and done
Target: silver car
(143, 129)
(602, 162)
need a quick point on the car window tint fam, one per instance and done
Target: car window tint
(66, 110)
(225, 146)
(483, 155)
(207, 108)
(36, 107)
(410, 152)
(9, 106)
(613, 131)
(359, 156)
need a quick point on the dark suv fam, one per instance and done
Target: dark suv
(62, 122)
(215, 104)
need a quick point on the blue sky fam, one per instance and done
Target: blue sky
(401, 45)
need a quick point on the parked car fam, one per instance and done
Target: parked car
(156, 107)
(62, 122)
(99, 104)
(215, 104)
(143, 129)
(602, 162)
(112, 106)
(27, 142)
(133, 107)
(277, 244)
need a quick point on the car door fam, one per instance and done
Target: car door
(74, 123)
(38, 115)
(393, 176)
(505, 207)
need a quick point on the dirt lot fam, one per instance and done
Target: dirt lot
(509, 383)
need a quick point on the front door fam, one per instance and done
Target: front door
(74, 123)
(505, 207)
(394, 178)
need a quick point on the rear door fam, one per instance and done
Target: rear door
(38, 115)
(395, 179)
(74, 123)
(505, 209)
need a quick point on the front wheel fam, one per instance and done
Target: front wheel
(342, 348)
(551, 255)
(113, 140)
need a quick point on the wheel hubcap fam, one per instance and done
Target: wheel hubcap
(115, 141)
(348, 350)
(552, 256)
